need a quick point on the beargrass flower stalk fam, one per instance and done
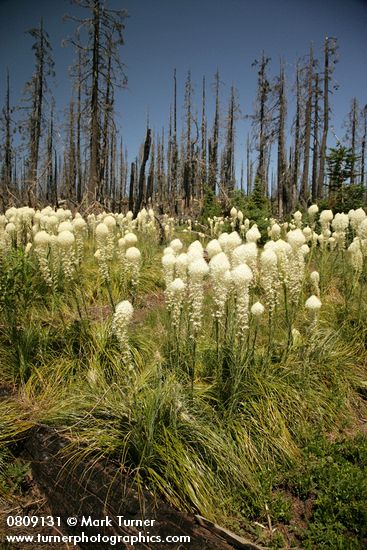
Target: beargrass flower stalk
(52, 223)
(211, 226)
(133, 261)
(169, 228)
(212, 248)
(91, 222)
(130, 239)
(196, 246)
(80, 232)
(120, 323)
(340, 225)
(11, 230)
(42, 248)
(223, 239)
(362, 229)
(296, 267)
(233, 213)
(308, 233)
(55, 260)
(232, 241)
(219, 265)
(197, 270)
(221, 280)
(270, 282)
(297, 217)
(283, 251)
(296, 338)
(315, 281)
(325, 218)
(176, 246)
(168, 267)
(275, 231)
(312, 211)
(253, 234)
(175, 294)
(101, 255)
(356, 256)
(110, 222)
(357, 217)
(129, 219)
(357, 252)
(257, 311)
(182, 263)
(218, 224)
(313, 305)
(242, 277)
(194, 254)
(246, 253)
(141, 219)
(270, 278)
(102, 233)
(66, 241)
(168, 250)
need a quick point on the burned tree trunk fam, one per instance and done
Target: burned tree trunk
(315, 153)
(297, 143)
(131, 188)
(363, 146)
(140, 196)
(304, 192)
(99, 490)
(329, 57)
(282, 179)
(214, 141)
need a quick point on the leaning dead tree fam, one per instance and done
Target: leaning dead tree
(107, 491)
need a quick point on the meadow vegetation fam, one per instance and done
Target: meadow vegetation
(221, 367)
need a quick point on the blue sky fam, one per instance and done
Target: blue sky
(201, 35)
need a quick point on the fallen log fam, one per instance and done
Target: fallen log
(106, 504)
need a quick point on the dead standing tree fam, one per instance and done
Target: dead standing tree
(36, 90)
(304, 191)
(7, 153)
(228, 175)
(283, 183)
(102, 72)
(330, 53)
(261, 123)
(141, 184)
(363, 148)
(214, 141)
(352, 137)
